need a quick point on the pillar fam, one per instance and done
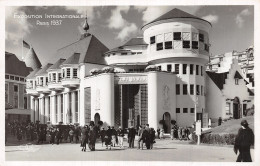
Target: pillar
(59, 107)
(47, 103)
(32, 100)
(66, 106)
(53, 109)
(41, 106)
(64, 109)
(73, 106)
(78, 106)
(36, 104)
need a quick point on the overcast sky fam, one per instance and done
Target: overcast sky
(233, 26)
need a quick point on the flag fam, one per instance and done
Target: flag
(26, 45)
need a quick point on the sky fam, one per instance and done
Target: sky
(232, 26)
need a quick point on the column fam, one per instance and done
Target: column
(32, 100)
(78, 107)
(36, 104)
(41, 106)
(53, 109)
(64, 109)
(73, 104)
(47, 103)
(59, 107)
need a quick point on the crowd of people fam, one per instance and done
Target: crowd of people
(88, 134)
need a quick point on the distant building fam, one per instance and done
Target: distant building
(155, 78)
(17, 106)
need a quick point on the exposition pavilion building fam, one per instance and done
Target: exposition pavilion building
(160, 76)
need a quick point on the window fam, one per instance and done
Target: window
(236, 81)
(191, 69)
(159, 46)
(169, 68)
(192, 89)
(197, 69)
(46, 80)
(7, 76)
(195, 45)
(228, 112)
(15, 88)
(22, 79)
(75, 73)
(177, 36)
(192, 110)
(221, 59)
(177, 89)
(68, 73)
(54, 77)
(168, 45)
(201, 37)
(185, 110)
(41, 81)
(6, 92)
(59, 77)
(16, 78)
(178, 110)
(207, 47)
(201, 70)
(124, 53)
(201, 90)
(11, 77)
(159, 68)
(198, 89)
(185, 89)
(152, 40)
(177, 68)
(63, 73)
(186, 44)
(25, 102)
(184, 69)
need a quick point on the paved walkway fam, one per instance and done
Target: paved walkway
(164, 150)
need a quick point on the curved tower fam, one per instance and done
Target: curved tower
(179, 42)
(31, 59)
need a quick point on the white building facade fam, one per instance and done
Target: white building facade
(158, 77)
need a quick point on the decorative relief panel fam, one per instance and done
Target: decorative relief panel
(131, 80)
(166, 97)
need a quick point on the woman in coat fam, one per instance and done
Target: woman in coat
(84, 137)
(92, 137)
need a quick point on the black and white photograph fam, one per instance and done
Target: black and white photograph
(134, 82)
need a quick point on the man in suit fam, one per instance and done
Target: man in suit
(140, 137)
(131, 137)
(243, 141)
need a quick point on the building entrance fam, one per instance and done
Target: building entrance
(131, 107)
(236, 109)
(167, 122)
(96, 118)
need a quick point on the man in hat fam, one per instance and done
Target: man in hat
(131, 136)
(243, 141)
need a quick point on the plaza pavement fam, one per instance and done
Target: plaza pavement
(164, 150)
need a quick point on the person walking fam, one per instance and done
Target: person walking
(131, 136)
(121, 135)
(158, 132)
(58, 136)
(140, 137)
(52, 135)
(84, 137)
(108, 138)
(243, 141)
(152, 136)
(147, 136)
(114, 135)
(92, 136)
(102, 135)
(179, 133)
(71, 133)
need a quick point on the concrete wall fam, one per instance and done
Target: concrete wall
(102, 96)
(161, 97)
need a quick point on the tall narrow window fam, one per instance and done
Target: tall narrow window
(185, 44)
(75, 73)
(201, 37)
(6, 92)
(177, 68)
(152, 40)
(191, 89)
(68, 73)
(159, 68)
(195, 45)
(198, 89)
(185, 89)
(201, 70)
(59, 77)
(197, 69)
(177, 89)
(184, 69)
(54, 77)
(25, 102)
(169, 68)
(201, 90)
(191, 69)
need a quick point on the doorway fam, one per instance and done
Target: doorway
(167, 122)
(236, 109)
(96, 118)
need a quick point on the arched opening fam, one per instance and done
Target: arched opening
(96, 118)
(167, 122)
(236, 108)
